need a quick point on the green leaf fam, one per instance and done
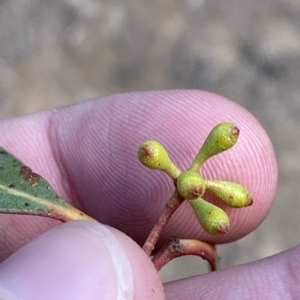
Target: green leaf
(24, 192)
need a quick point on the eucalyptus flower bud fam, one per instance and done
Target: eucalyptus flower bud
(190, 185)
(153, 155)
(213, 219)
(221, 138)
(232, 194)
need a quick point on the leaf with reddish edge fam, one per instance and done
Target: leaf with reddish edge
(175, 247)
(24, 192)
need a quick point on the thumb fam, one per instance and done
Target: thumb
(80, 260)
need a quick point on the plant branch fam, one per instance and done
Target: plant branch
(175, 247)
(172, 205)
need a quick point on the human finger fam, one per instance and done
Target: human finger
(80, 260)
(275, 277)
(88, 153)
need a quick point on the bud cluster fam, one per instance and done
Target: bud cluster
(192, 186)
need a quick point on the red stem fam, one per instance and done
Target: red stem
(175, 247)
(172, 205)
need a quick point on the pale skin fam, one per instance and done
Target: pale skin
(88, 154)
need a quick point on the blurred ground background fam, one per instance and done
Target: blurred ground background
(58, 52)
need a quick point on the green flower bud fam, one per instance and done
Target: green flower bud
(232, 194)
(213, 219)
(221, 138)
(153, 155)
(190, 185)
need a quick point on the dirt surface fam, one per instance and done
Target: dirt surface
(54, 53)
